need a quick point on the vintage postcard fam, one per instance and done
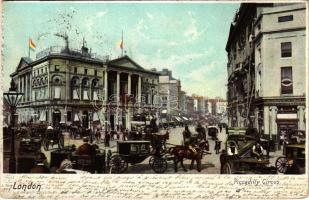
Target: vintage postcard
(145, 100)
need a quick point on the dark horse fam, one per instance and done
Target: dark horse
(193, 153)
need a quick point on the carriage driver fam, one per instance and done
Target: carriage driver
(187, 138)
(257, 150)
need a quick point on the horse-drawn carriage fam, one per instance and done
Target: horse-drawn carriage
(293, 159)
(30, 138)
(135, 152)
(52, 137)
(213, 132)
(237, 158)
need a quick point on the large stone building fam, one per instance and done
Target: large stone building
(169, 91)
(266, 68)
(74, 86)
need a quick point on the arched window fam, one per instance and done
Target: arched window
(95, 89)
(85, 88)
(75, 88)
(57, 87)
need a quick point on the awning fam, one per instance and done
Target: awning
(164, 111)
(76, 117)
(42, 116)
(75, 94)
(95, 117)
(85, 95)
(287, 116)
(95, 96)
(57, 93)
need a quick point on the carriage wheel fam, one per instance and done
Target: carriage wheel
(151, 160)
(45, 144)
(159, 165)
(61, 143)
(281, 164)
(228, 168)
(118, 165)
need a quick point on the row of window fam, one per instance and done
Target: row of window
(39, 94)
(39, 71)
(286, 82)
(86, 71)
(70, 116)
(76, 94)
(57, 69)
(39, 81)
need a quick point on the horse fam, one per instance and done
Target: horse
(193, 153)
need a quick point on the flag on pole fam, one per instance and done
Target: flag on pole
(121, 44)
(32, 46)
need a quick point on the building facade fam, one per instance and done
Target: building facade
(266, 68)
(74, 86)
(280, 52)
(169, 92)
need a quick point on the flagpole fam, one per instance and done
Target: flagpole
(122, 43)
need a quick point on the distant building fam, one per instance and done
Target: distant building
(169, 91)
(190, 105)
(217, 106)
(183, 102)
(199, 104)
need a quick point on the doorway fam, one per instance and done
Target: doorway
(284, 127)
(56, 118)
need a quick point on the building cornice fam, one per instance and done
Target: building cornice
(281, 101)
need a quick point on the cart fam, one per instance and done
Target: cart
(52, 137)
(213, 132)
(134, 152)
(293, 159)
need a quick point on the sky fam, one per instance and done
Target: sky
(187, 38)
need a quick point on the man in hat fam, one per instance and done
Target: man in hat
(86, 148)
(232, 149)
(257, 150)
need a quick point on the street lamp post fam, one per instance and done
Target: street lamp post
(12, 97)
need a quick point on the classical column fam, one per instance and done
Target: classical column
(129, 84)
(273, 124)
(129, 105)
(118, 88)
(266, 121)
(22, 87)
(301, 115)
(62, 117)
(67, 85)
(118, 98)
(18, 85)
(139, 96)
(30, 86)
(105, 86)
(256, 118)
(26, 88)
(50, 120)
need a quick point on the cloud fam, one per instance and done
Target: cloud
(101, 14)
(208, 80)
(150, 16)
(192, 32)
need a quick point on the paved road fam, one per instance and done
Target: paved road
(210, 163)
